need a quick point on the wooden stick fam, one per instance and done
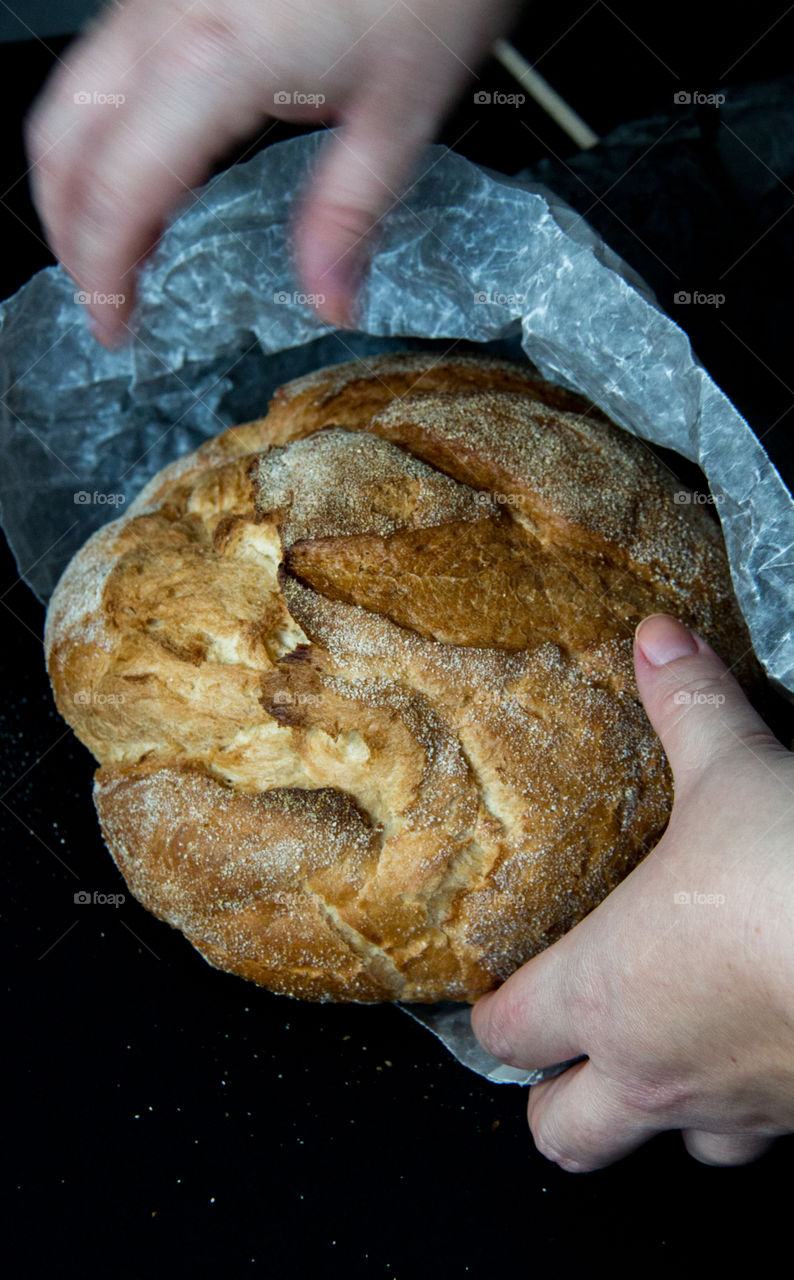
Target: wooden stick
(544, 95)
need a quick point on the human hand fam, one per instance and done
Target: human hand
(196, 77)
(679, 987)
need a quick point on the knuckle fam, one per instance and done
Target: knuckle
(495, 1030)
(547, 1146)
(490, 1035)
(569, 1164)
(348, 218)
(660, 1097)
(575, 1142)
(551, 1146)
(200, 42)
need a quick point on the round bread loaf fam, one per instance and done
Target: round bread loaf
(359, 676)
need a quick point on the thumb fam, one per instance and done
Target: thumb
(361, 172)
(693, 702)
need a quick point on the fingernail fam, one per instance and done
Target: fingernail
(662, 639)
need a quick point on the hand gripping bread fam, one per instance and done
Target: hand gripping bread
(359, 676)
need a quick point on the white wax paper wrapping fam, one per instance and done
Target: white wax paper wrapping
(469, 254)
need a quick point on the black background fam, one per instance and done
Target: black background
(163, 1115)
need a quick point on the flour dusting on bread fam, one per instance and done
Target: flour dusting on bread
(358, 676)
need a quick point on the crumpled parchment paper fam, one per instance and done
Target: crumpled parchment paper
(468, 254)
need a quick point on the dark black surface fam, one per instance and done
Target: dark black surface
(165, 1118)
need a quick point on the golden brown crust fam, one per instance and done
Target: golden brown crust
(359, 676)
